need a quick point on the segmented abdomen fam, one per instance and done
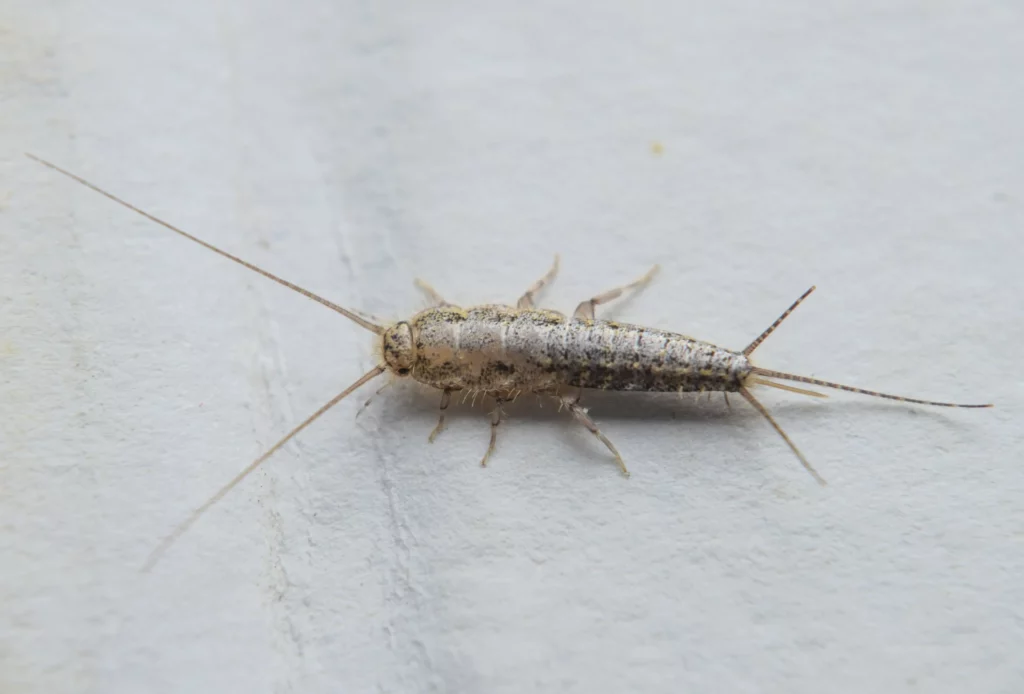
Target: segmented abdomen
(615, 356)
(499, 348)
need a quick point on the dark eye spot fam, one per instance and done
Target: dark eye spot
(403, 372)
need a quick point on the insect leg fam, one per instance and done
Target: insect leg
(446, 398)
(495, 421)
(370, 399)
(586, 308)
(527, 299)
(431, 293)
(580, 413)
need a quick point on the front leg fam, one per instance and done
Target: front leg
(446, 397)
(432, 294)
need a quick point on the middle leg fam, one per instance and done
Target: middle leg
(527, 299)
(586, 308)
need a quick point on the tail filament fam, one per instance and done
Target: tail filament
(839, 386)
(785, 437)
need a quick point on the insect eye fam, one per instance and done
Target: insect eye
(403, 372)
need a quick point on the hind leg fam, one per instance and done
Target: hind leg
(527, 299)
(586, 308)
(583, 418)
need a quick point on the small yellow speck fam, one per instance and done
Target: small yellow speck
(657, 149)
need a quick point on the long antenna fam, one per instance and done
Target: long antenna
(778, 321)
(372, 327)
(165, 544)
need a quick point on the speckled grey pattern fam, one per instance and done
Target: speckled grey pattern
(500, 349)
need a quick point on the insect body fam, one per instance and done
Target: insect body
(503, 351)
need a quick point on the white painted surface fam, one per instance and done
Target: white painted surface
(871, 148)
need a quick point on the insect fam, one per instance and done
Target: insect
(504, 351)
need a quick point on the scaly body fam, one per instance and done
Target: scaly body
(503, 351)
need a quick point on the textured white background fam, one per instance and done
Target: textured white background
(874, 148)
